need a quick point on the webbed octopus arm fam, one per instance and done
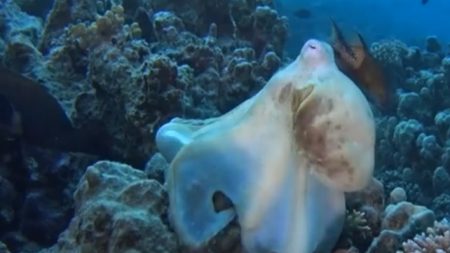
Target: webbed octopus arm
(284, 158)
(179, 132)
(231, 157)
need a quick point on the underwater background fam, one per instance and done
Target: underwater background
(410, 22)
(85, 86)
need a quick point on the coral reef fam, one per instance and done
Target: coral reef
(36, 201)
(129, 66)
(356, 225)
(130, 73)
(435, 240)
(119, 207)
(401, 220)
(19, 34)
(364, 213)
(133, 76)
(125, 67)
(393, 56)
(397, 195)
(413, 142)
(255, 21)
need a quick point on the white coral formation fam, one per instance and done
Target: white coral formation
(400, 220)
(435, 240)
(389, 52)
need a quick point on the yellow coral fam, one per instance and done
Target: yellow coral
(135, 30)
(118, 14)
(80, 33)
(103, 29)
(104, 24)
(111, 22)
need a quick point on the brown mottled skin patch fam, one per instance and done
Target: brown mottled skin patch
(345, 163)
(318, 139)
(314, 138)
(304, 113)
(284, 93)
(299, 96)
(342, 167)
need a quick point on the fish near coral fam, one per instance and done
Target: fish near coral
(284, 158)
(32, 115)
(10, 128)
(356, 61)
(302, 13)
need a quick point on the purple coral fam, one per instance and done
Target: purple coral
(435, 240)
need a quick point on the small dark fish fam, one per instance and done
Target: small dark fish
(302, 13)
(29, 113)
(358, 64)
(143, 18)
(10, 122)
(10, 129)
(424, 2)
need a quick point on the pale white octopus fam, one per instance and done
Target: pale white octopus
(284, 158)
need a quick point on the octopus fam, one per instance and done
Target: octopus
(284, 158)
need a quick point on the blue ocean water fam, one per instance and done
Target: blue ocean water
(407, 20)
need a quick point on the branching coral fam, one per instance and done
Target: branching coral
(102, 29)
(356, 223)
(401, 220)
(435, 240)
